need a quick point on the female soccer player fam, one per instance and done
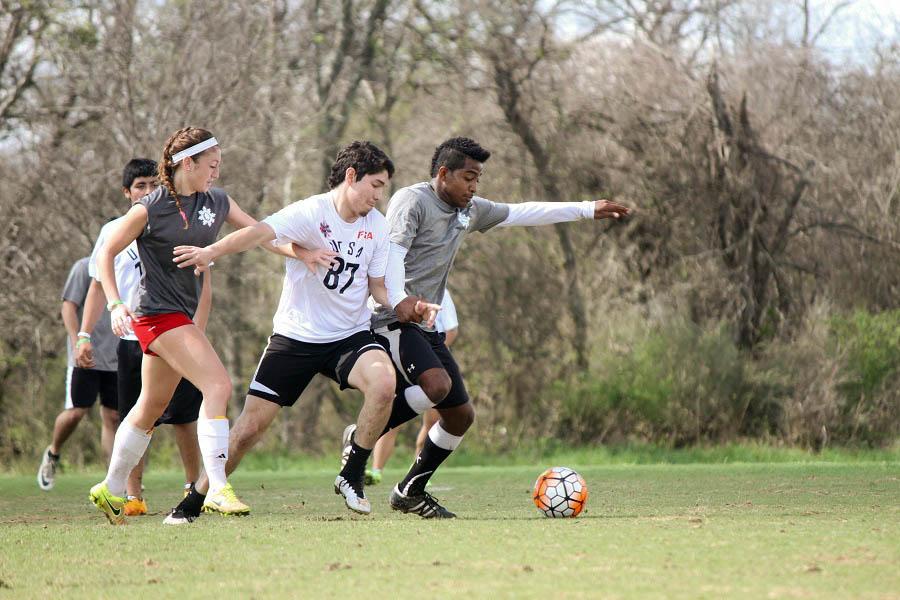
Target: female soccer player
(184, 210)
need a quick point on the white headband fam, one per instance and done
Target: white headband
(195, 149)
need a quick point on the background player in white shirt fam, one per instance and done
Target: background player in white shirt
(322, 324)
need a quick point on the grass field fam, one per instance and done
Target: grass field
(790, 530)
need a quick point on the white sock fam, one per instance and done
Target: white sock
(212, 435)
(128, 448)
(417, 400)
(443, 439)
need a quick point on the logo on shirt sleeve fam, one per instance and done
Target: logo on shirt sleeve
(206, 216)
(325, 229)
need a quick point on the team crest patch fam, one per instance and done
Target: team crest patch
(325, 229)
(463, 218)
(206, 216)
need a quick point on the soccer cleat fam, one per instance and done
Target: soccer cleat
(346, 440)
(187, 510)
(373, 476)
(112, 506)
(180, 516)
(225, 502)
(187, 489)
(46, 475)
(425, 505)
(135, 506)
(354, 496)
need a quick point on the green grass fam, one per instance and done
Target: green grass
(526, 453)
(790, 530)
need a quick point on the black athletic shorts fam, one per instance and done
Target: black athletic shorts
(84, 385)
(185, 404)
(287, 365)
(415, 350)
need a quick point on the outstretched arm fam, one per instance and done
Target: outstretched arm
(234, 242)
(238, 219)
(547, 213)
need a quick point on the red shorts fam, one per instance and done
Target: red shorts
(150, 327)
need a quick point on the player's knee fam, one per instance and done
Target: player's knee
(78, 412)
(247, 431)
(383, 385)
(466, 416)
(436, 385)
(218, 390)
(248, 428)
(111, 418)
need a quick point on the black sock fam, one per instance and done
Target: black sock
(355, 469)
(429, 459)
(53, 456)
(192, 503)
(400, 413)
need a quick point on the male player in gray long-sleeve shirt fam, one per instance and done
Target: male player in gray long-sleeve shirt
(428, 222)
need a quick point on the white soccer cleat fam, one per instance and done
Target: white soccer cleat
(346, 440)
(354, 498)
(46, 476)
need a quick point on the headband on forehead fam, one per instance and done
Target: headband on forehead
(195, 149)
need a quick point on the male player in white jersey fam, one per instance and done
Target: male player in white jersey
(322, 324)
(429, 221)
(140, 178)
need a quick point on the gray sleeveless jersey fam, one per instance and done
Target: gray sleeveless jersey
(433, 231)
(164, 287)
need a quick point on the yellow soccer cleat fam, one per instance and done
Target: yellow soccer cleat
(225, 502)
(135, 506)
(112, 506)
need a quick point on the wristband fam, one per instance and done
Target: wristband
(396, 297)
(587, 209)
(84, 334)
(82, 340)
(114, 304)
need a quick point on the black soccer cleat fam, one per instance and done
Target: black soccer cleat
(187, 510)
(179, 516)
(425, 505)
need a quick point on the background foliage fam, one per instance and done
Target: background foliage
(753, 295)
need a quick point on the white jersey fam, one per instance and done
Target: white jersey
(127, 266)
(327, 305)
(446, 319)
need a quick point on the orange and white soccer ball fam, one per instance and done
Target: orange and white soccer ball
(560, 492)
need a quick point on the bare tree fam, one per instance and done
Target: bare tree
(342, 63)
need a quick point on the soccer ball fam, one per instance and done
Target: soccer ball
(560, 492)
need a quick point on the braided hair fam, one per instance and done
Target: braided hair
(178, 141)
